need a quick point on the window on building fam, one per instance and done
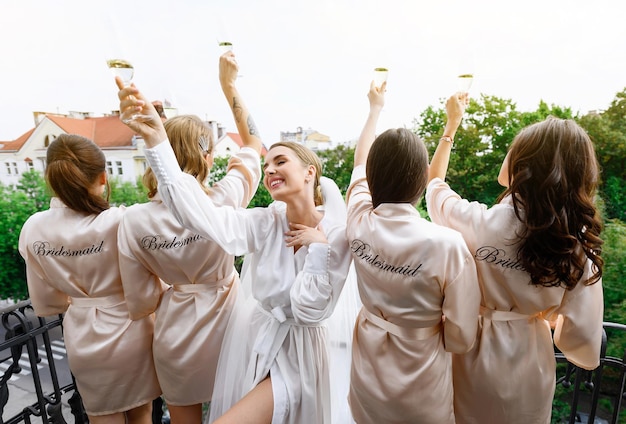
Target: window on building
(109, 167)
(11, 168)
(30, 165)
(118, 164)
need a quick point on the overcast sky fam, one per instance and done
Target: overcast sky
(308, 63)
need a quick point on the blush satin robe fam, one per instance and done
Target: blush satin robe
(411, 273)
(509, 375)
(192, 315)
(72, 267)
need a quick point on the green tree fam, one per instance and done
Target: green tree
(127, 193)
(16, 205)
(337, 165)
(481, 143)
(34, 187)
(608, 132)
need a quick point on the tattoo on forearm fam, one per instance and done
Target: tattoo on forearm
(252, 127)
(237, 110)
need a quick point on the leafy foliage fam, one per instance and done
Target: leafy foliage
(127, 193)
(16, 206)
(481, 143)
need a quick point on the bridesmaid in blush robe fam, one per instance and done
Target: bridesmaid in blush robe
(191, 317)
(411, 274)
(72, 267)
(537, 253)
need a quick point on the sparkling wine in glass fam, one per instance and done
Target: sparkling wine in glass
(121, 68)
(224, 40)
(225, 46)
(380, 76)
(125, 70)
(464, 82)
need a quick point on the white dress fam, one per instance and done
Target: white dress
(192, 314)
(509, 375)
(294, 293)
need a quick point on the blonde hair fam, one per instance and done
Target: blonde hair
(307, 157)
(191, 139)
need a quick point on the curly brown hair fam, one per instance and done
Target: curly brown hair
(553, 173)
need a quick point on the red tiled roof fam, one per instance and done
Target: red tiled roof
(106, 131)
(16, 144)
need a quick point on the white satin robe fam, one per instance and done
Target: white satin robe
(72, 267)
(192, 315)
(411, 273)
(294, 293)
(509, 376)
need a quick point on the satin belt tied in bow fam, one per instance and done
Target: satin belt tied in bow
(415, 333)
(495, 315)
(104, 301)
(202, 286)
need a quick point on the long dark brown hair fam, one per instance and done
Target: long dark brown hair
(553, 176)
(74, 163)
(397, 167)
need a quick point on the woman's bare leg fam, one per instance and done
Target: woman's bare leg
(256, 407)
(118, 418)
(189, 414)
(140, 415)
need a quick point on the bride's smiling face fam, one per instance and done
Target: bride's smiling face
(284, 173)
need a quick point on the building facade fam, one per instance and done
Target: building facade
(123, 149)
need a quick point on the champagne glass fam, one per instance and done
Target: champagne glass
(465, 71)
(125, 70)
(380, 76)
(464, 82)
(224, 40)
(225, 46)
(115, 54)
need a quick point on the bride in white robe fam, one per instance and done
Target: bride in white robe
(298, 263)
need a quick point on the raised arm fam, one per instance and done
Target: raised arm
(245, 124)
(455, 106)
(132, 102)
(376, 98)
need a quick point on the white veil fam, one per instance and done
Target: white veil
(341, 323)
(235, 352)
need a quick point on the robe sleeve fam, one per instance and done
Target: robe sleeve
(578, 329)
(318, 286)
(461, 306)
(241, 180)
(231, 228)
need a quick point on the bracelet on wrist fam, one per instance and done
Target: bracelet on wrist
(447, 138)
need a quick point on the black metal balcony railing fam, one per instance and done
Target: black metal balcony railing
(596, 396)
(35, 381)
(49, 393)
